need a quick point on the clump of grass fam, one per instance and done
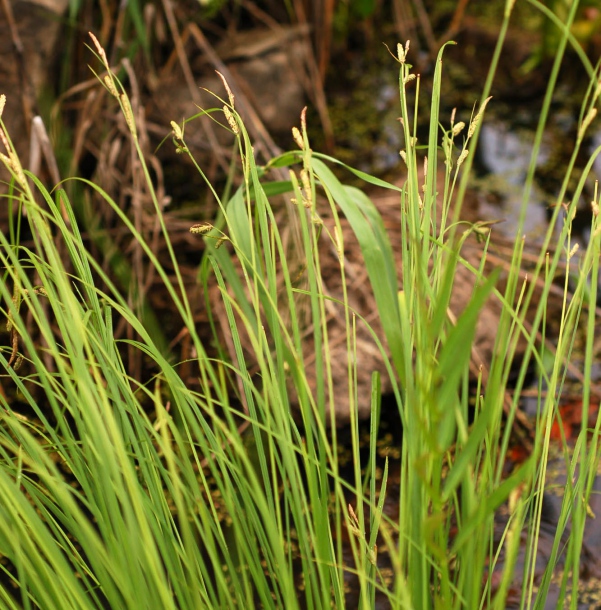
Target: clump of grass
(125, 494)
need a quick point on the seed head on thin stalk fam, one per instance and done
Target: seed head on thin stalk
(231, 120)
(354, 525)
(110, 85)
(308, 192)
(476, 120)
(128, 114)
(108, 79)
(304, 120)
(178, 138)
(457, 129)
(204, 228)
(296, 134)
(201, 228)
(12, 161)
(230, 95)
(402, 52)
(178, 132)
(99, 49)
(339, 243)
(588, 119)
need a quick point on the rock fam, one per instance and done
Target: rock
(264, 67)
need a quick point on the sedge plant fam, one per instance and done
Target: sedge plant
(125, 493)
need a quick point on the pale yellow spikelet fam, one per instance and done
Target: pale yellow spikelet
(2, 103)
(108, 78)
(231, 119)
(462, 157)
(354, 522)
(447, 146)
(201, 228)
(41, 291)
(11, 161)
(230, 95)
(402, 52)
(408, 78)
(476, 120)
(457, 129)
(339, 243)
(4, 140)
(573, 251)
(20, 175)
(177, 130)
(306, 182)
(110, 85)
(304, 120)
(128, 114)
(588, 119)
(99, 49)
(296, 134)
(18, 170)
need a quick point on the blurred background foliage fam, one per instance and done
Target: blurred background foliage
(173, 45)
